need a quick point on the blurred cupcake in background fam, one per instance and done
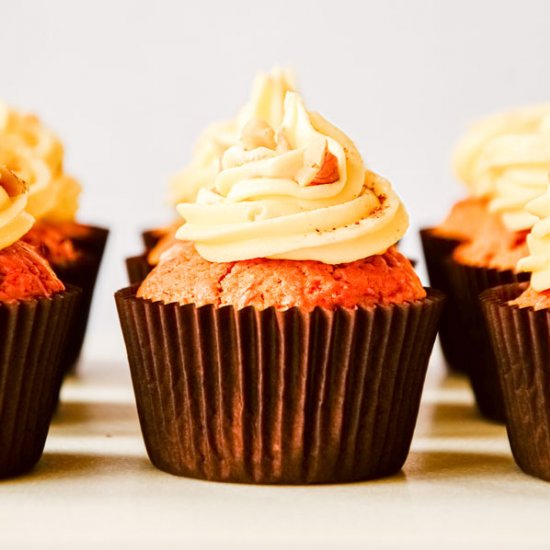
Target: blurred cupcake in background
(503, 160)
(283, 338)
(73, 249)
(36, 313)
(266, 103)
(518, 318)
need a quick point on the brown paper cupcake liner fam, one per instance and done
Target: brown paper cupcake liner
(150, 238)
(34, 334)
(468, 282)
(521, 344)
(278, 396)
(83, 274)
(137, 268)
(436, 251)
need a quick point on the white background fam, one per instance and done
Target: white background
(129, 85)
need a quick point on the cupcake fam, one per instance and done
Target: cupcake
(265, 103)
(518, 319)
(284, 339)
(36, 312)
(495, 159)
(74, 250)
(504, 161)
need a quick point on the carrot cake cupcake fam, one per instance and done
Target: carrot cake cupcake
(283, 339)
(499, 155)
(518, 318)
(36, 312)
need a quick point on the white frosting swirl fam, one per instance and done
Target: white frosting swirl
(266, 103)
(14, 220)
(506, 158)
(35, 154)
(538, 241)
(33, 135)
(297, 192)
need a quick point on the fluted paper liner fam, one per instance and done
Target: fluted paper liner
(34, 333)
(468, 282)
(521, 344)
(83, 274)
(150, 238)
(137, 268)
(437, 250)
(278, 397)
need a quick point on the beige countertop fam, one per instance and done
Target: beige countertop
(459, 487)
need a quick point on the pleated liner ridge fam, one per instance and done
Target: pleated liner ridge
(278, 397)
(83, 274)
(521, 343)
(468, 282)
(137, 268)
(150, 238)
(34, 333)
(436, 251)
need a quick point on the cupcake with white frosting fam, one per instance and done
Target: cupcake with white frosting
(503, 161)
(283, 338)
(518, 318)
(36, 313)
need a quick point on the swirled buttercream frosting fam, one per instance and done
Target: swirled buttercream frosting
(538, 241)
(35, 154)
(266, 103)
(505, 158)
(14, 220)
(298, 190)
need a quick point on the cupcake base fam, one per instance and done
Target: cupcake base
(34, 334)
(437, 250)
(469, 282)
(521, 344)
(285, 397)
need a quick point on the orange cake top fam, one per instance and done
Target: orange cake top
(183, 276)
(24, 273)
(495, 246)
(464, 220)
(55, 240)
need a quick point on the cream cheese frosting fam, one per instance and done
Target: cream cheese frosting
(14, 220)
(35, 154)
(266, 103)
(538, 241)
(298, 191)
(506, 158)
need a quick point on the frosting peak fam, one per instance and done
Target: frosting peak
(266, 105)
(14, 221)
(506, 158)
(295, 191)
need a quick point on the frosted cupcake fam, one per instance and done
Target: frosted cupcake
(504, 161)
(284, 339)
(518, 317)
(36, 311)
(265, 103)
(73, 249)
